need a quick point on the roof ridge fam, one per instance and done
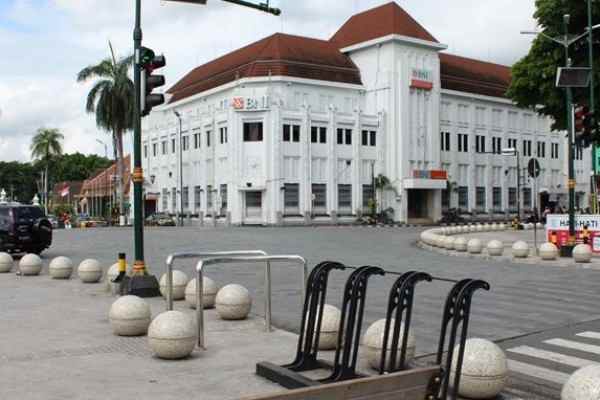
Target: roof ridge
(475, 59)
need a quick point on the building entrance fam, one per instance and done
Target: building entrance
(253, 207)
(419, 206)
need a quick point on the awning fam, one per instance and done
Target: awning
(430, 184)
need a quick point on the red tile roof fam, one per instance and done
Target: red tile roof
(378, 22)
(100, 184)
(278, 55)
(474, 76)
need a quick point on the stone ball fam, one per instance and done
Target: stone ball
(582, 253)
(548, 251)
(494, 227)
(460, 244)
(584, 384)
(474, 246)
(233, 302)
(60, 268)
(444, 231)
(328, 336)
(6, 262)
(180, 280)
(540, 225)
(484, 371)
(449, 243)
(502, 226)
(520, 249)
(495, 248)
(30, 264)
(172, 335)
(479, 228)
(130, 316)
(373, 342)
(472, 228)
(487, 227)
(90, 271)
(210, 289)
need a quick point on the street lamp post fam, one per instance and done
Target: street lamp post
(512, 151)
(105, 147)
(180, 153)
(590, 28)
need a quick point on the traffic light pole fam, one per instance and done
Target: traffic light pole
(138, 174)
(571, 166)
(592, 107)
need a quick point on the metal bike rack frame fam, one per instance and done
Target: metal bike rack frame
(201, 254)
(240, 259)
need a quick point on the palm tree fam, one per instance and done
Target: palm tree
(112, 99)
(381, 183)
(45, 144)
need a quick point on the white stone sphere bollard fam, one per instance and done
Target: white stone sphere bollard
(330, 325)
(520, 249)
(479, 228)
(495, 248)
(90, 271)
(60, 268)
(180, 280)
(548, 251)
(584, 384)
(582, 253)
(6, 262)
(460, 244)
(472, 228)
(484, 370)
(130, 316)
(449, 243)
(439, 240)
(474, 246)
(494, 227)
(373, 342)
(172, 335)
(233, 302)
(30, 264)
(502, 226)
(209, 289)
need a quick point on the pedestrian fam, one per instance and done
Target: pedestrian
(554, 239)
(545, 214)
(585, 234)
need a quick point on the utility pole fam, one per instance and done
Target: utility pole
(571, 161)
(180, 216)
(592, 107)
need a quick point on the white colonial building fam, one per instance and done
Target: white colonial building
(292, 129)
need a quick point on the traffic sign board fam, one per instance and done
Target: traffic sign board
(534, 168)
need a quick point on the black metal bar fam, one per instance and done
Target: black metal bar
(350, 324)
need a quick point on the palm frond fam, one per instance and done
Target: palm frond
(102, 70)
(94, 93)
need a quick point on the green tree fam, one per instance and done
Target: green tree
(112, 100)
(534, 76)
(44, 145)
(19, 180)
(77, 166)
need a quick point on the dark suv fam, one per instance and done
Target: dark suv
(24, 229)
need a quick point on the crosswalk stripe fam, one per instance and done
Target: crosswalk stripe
(590, 335)
(570, 344)
(552, 356)
(537, 372)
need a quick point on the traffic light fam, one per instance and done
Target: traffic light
(149, 62)
(584, 126)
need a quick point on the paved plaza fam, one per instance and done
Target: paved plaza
(59, 331)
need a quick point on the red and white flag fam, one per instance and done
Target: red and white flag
(64, 192)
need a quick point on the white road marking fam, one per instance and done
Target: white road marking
(570, 344)
(590, 335)
(552, 356)
(537, 372)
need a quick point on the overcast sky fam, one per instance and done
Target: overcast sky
(45, 43)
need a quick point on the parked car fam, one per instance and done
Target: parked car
(24, 228)
(160, 219)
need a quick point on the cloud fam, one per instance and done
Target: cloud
(49, 41)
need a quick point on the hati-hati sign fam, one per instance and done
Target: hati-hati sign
(559, 223)
(250, 103)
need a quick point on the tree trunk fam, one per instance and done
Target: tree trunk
(46, 189)
(119, 138)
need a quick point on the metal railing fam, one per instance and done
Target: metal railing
(230, 260)
(201, 254)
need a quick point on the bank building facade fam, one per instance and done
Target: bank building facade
(293, 129)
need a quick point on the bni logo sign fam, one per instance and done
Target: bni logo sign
(238, 103)
(421, 79)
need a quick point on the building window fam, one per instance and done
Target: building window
(512, 198)
(253, 131)
(463, 142)
(512, 144)
(291, 133)
(340, 136)
(196, 140)
(526, 148)
(480, 144)
(208, 135)
(314, 134)
(348, 133)
(554, 151)
(497, 145)
(223, 135)
(578, 152)
(369, 138)
(373, 138)
(154, 149)
(165, 199)
(145, 151)
(174, 199)
(541, 149)
(463, 197)
(368, 197)
(209, 199)
(323, 134)
(287, 133)
(163, 146)
(197, 198)
(527, 198)
(296, 133)
(497, 198)
(223, 194)
(186, 143)
(365, 138)
(480, 198)
(445, 141)
(345, 198)
(173, 145)
(186, 198)
(445, 199)
(291, 199)
(319, 196)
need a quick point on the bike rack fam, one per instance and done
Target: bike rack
(230, 260)
(195, 254)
